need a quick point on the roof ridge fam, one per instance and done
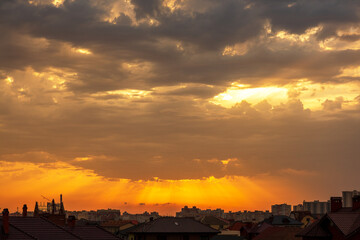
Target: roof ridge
(106, 231)
(62, 228)
(310, 227)
(353, 227)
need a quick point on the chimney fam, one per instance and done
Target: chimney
(24, 213)
(36, 210)
(336, 204)
(356, 202)
(53, 207)
(5, 221)
(71, 221)
(61, 209)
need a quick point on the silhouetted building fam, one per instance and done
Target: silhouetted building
(197, 213)
(274, 221)
(338, 224)
(100, 215)
(248, 216)
(297, 208)
(316, 207)
(281, 209)
(40, 228)
(116, 226)
(279, 233)
(215, 222)
(171, 228)
(143, 217)
(347, 197)
(304, 217)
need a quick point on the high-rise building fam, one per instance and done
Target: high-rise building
(347, 197)
(281, 209)
(316, 207)
(297, 208)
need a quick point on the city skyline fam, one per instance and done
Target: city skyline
(313, 206)
(157, 104)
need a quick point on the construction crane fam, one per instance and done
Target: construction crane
(45, 198)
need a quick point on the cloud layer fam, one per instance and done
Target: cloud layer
(180, 89)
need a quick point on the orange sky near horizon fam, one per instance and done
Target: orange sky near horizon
(216, 104)
(84, 190)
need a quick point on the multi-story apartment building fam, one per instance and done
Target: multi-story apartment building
(316, 207)
(347, 197)
(281, 209)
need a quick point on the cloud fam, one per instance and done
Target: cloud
(34, 157)
(331, 105)
(147, 89)
(298, 172)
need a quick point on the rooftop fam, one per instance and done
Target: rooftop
(173, 225)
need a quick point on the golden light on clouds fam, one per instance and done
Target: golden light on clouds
(346, 39)
(83, 51)
(112, 101)
(298, 37)
(126, 93)
(238, 92)
(312, 95)
(9, 80)
(350, 72)
(236, 50)
(171, 4)
(57, 3)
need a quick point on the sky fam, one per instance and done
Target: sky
(156, 104)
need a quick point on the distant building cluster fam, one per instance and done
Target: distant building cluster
(197, 213)
(336, 219)
(96, 216)
(281, 209)
(245, 216)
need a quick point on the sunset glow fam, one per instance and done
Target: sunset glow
(146, 105)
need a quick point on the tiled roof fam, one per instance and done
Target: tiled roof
(119, 223)
(238, 225)
(299, 215)
(212, 220)
(173, 225)
(282, 220)
(314, 230)
(276, 233)
(259, 228)
(42, 229)
(91, 232)
(39, 228)
(346, 222)
(16, 234)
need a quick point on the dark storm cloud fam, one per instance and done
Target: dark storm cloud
(203, 34)
(224, 24)
(299, 15)
(147, 8)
